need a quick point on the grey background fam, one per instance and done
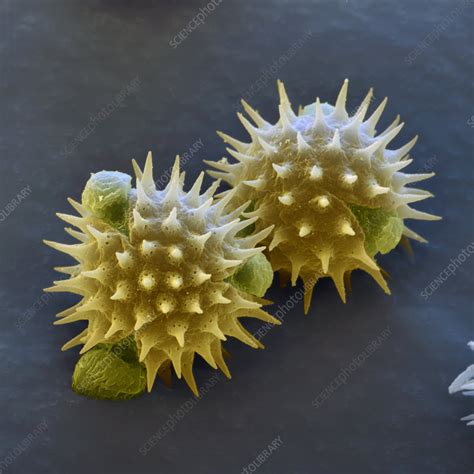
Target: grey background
(62, 61)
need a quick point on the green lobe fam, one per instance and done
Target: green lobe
(254, 277)
(382, 229)
(110, 372)
(106, 195)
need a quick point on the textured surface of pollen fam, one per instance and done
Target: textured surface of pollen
(165, 283)
(304, 171)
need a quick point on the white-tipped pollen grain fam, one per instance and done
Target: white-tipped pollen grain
(165, 282)
(337, 161)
